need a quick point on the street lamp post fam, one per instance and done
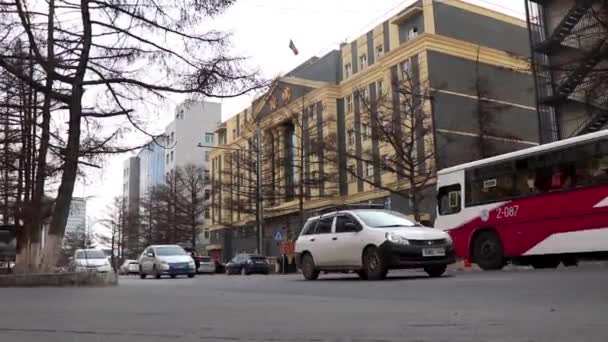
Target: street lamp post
(259, 207)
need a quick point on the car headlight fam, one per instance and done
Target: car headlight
(448, 239)
(398, 239)
(164, 263)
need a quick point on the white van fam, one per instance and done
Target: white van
(370, 242)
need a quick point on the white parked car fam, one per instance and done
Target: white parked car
(91, 260)
(129, 267)
(171, 260)
(370, 242)
(206, 265)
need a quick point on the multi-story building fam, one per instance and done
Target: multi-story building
(448, 47)
(194, 124)
(77, 218)
(130, 185)
(569, 62)
(151, 165)
(188, 139)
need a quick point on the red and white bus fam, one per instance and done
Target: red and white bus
(539, 206)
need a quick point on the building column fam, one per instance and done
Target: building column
(429, 16)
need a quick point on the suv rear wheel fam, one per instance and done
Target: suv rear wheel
(374, 264)
(308, 268)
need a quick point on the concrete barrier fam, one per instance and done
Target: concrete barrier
(59, 280)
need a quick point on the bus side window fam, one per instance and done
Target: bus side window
(449, 200)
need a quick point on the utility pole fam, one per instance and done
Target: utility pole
(259, 194)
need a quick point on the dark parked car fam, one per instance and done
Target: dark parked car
(248, 264)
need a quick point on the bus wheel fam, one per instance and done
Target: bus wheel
(488, 251)
(541, 263)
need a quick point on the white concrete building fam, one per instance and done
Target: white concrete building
(194, 124)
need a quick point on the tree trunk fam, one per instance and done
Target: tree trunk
(31, 261)
(68, 179)
(414, 198)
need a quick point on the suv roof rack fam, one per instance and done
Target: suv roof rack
(330, 209)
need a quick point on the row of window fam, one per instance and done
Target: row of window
(379, 51)
(366, 134)
(578, 166)
(405, 73)
(368, 169)
(348, 68)
(363, 94)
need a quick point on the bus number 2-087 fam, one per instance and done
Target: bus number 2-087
(506, 212)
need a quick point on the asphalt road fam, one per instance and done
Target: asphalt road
(554, 305)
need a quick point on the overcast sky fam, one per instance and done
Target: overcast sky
(262, 30)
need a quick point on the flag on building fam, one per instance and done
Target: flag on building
(293, 47)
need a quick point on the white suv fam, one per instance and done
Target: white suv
(370, 242)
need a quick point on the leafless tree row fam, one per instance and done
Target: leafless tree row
(171, 213)
(90, 63)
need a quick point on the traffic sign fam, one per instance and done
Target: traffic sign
(278, 236)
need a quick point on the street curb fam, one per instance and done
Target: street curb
(84, 279)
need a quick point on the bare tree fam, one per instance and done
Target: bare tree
(486, 114)
(151, 216)
(114, 230)
(191, 198)
(400, 124)
(291, 155)
(98, 47)
(311, 178)
(173, 212)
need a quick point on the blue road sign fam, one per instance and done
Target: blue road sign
(278, 236)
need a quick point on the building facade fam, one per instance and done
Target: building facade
(151, 165)
(194, 124)
(569, 53)
(130, 185)
(315, 123)
(188, 140)
(77, 218)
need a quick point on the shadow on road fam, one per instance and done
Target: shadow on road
(355, 278)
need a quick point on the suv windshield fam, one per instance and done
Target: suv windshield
(90, 254)
(385, 219)
(170, 250)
